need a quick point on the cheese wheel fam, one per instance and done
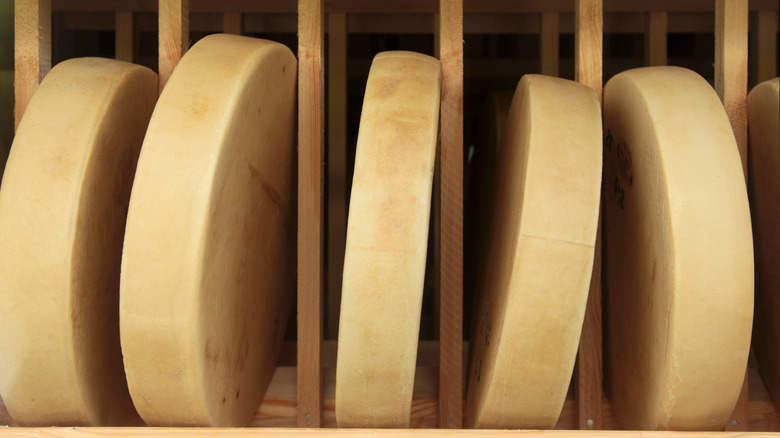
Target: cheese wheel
(678, 255)
(387, 239)
(539, 256)
(63, 205)
(764, 158)
(208, 262)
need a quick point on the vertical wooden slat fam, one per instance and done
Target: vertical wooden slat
(310, 219)
(588, 37)
(174, 36)
(451, 226)
(32, 50)
(231, 23)
(123, 41)
(548, 43)
(336, 164)
(731, 32)
(766, 45)
(731, 36)
(655, 38)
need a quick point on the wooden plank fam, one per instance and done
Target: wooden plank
(310, 219)
(417, 6)
(174, 36)
(588, 26)
(32, 50)
(766, 46)
(337, 164)
(549, 50)
(731, 36)
(451, 226)
(123, 41)
(655, 38)
(231, 23)
(731, 48)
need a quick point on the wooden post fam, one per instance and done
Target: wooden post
(174, 36)
(766, 45)
(588, 24)
(32, 50)
(731, 36)
(731, 32)
(231, 23)
(655, 38)
(337, 164)
(310, 223)
(451, 211)
(123, 41)
(548, 44)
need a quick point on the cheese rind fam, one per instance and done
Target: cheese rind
(764, 162)
(387, 239)
(208, 263)
(678, 255)
(535, 279)
(63, 206)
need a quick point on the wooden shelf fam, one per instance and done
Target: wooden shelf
(302, 390)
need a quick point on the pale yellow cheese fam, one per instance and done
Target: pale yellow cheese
(387, 239)
(63, 205)
(764, 159)
(538, 258)
(209, 258)
(678, 253)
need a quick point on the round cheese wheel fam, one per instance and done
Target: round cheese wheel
(539, 256)
(764, 159)
(63, 205)
(208, 263)
(387, 240)
(678, 255)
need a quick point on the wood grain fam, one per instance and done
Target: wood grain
(174, 34)
(549, 48)
(588, 38)
(731, 61)
(337, 164)
(123, 41)
(32, 50)
(451, 226)
(231, 23)
(655, 38)
(310, 213)
(765, 51)
(731, 48)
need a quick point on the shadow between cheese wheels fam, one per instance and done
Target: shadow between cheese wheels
(387, 240)
(63, 206)
(678, 252)
(764, 162)
(208, 263)
(538, 258)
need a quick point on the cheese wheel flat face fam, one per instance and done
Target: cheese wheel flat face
(208, 263)
(387, 239)
(63, 206)
(679, 253)
(540, 255)
(764, 158)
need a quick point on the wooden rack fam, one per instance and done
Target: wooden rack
(301, 393)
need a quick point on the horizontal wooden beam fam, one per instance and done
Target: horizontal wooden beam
(404, 6)
(509, 23)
